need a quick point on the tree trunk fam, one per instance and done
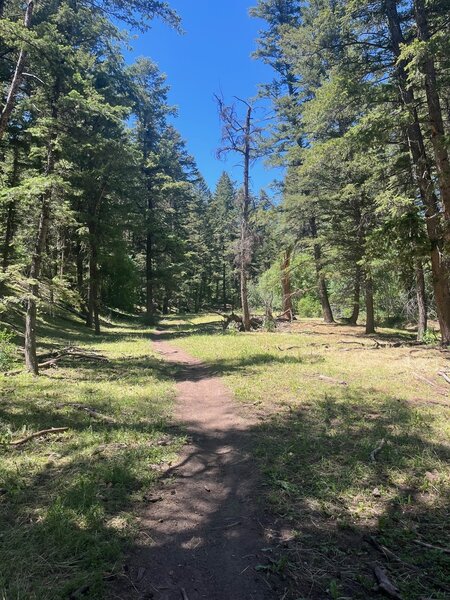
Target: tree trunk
(370, 315)
(10, 212)
(244, 249)
(424, 180)
(287, 306)
(165, 306)
(421, 301)
(35, 269)
(224, 284)
(321, 281)
(150, 300)
(434, 109)
(79, 267)
(93, 300)
(17, 77)
(356, 297)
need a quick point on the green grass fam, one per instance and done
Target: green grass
(68, 502)
(314, 441)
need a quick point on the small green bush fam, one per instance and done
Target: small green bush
(308, 307)
(7, 350)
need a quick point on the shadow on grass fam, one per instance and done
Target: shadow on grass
(64, 524)
(324, 487)
(65, 500)
(336, 499)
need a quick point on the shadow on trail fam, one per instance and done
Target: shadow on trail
(334, 505)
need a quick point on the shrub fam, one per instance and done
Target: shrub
(7, 350)
(308, 307)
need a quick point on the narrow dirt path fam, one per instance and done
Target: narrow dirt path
(205, 536)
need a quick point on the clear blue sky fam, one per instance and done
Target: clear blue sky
(212, 56)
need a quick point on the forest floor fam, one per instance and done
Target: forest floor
(342, 465)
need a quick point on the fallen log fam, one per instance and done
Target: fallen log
(255, 322)
(384, 583)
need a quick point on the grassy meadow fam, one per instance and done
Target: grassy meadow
(326, 398)
(351, 435)
(66, 500)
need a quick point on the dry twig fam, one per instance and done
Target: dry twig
(43, 432)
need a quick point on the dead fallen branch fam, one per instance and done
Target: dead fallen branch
(255, 322)
(440, 390)
(377, 450)
(389, 554)
(184, 594)
(87, 409)
(227, 526)
(384, 583)
(51, 359)
(42, 433)
(444, 375)
(432, 547)
(332, 380)
(74, 353)
(287, 348)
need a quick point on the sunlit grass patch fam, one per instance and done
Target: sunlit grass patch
(327, 397)
(66, 500)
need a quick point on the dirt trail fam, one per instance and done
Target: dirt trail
(206, 535)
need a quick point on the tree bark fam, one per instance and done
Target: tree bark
(150, 300)
(421, 301)
(434, 109)
(10, 212)
(321, 281)
(93, 319)
(287, 306)
(356, 297)
(370, 314)
(17, 77)
(224, 282)
(424, 180)
(244, 242)
(35, 269)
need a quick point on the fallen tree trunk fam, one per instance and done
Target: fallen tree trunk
(255, 322)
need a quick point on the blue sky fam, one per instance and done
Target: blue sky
(213, 56)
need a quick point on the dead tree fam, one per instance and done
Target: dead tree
(17, 77)
(240, 135)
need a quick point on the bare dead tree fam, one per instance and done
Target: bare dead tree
(240, 135)
(17, 77)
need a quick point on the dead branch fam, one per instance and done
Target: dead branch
(287, 348)
(332, 380)
(184, 594)
(389, 554)
(431, 547)
(255, 322)
(377, 450)
(43, 432)
(444, 375)
(87, 409)
(75, 353)
(438, 388)
(384, 584)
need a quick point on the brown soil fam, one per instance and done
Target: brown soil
(204, 533)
